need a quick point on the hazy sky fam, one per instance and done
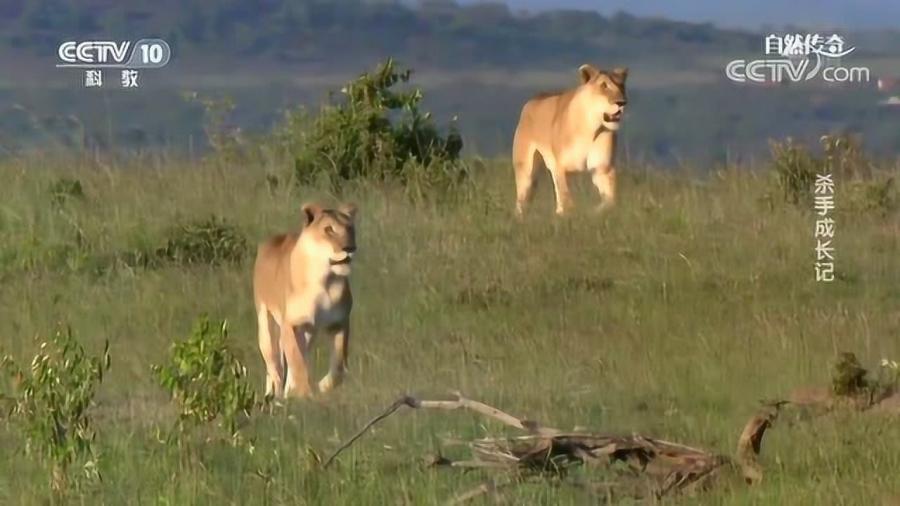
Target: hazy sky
(846, 14)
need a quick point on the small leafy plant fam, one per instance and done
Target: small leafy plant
(51, 405)
(207, 381)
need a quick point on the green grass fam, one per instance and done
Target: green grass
(671, 316)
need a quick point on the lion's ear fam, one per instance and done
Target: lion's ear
(348, 209)
(311, 211)
(587, 72)
(619, 74)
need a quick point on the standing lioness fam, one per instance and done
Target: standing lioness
(301, 287)
(572, 131)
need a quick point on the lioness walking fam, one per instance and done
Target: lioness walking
(301, 287)
(572, 131)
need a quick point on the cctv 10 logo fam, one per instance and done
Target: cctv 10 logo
(145, 53)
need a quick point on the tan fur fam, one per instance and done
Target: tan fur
(301, 287)
(571, 131)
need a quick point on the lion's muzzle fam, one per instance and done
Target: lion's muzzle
(342, 260)
(614, 117)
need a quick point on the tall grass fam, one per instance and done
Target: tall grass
(673, 315)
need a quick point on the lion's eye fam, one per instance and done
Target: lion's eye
(604, 85)
(329, 230)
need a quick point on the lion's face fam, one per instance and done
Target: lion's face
(604, 94)
(332, 235)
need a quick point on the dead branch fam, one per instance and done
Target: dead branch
(479, 407)
(750, 442)
(459, 403)
(666, 467)
(403, 401)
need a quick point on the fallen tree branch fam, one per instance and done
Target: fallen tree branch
(479, 407)
(668, 467)
(750, 441)
(459, 403)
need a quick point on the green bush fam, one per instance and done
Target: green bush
(374, 132)
(850, 379)
(212, 242)
(795, 169)
(862, 188)
(51, 402)
(848, 376)
(845, 158)
(889, 376)
(64, 189)
(206, 380)
(223, 139)
(207, 242)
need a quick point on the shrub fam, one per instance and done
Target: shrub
(848, 376)
(795, 168)
(51, 404)
(864, 190)
(212, 242)
(206, 242)
(63, 190)
(889, 375)
(223, 139)
(849, 379)
(845, 158)
(206, 380)
(374, 132)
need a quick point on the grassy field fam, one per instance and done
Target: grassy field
(671, 316)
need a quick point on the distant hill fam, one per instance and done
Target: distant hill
(478, 62)
(746, 14)
(341, 33)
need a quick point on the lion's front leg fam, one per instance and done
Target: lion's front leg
(338, 367)
(295, 351)
(604, 179)
(270, 347)
(561, 186)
